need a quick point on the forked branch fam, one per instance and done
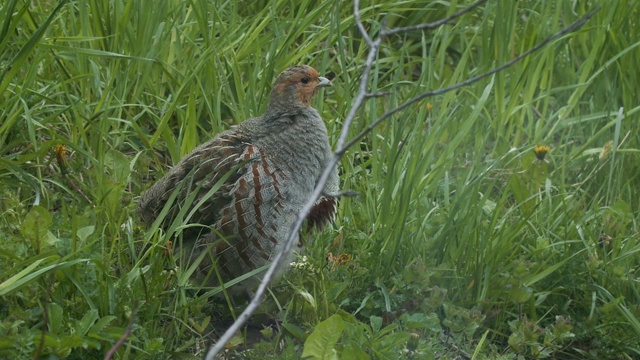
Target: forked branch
(343, 145)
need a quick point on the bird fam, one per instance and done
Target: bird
(245, 186)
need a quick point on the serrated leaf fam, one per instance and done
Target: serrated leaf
(102, 323)
(321, 343)
(420, 321)
(520, 295)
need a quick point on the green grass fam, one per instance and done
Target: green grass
(461, 243)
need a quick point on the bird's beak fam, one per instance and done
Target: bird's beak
(322, 81)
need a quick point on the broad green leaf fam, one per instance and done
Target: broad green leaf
(84, 232)
(376, 323)
(87, 321)
(56, 319)
(36, 223)
(295, 331)
(320, 345)
(118, 165)
(354, 352)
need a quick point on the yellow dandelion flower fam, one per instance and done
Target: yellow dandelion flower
(541, 151)
(428, 105)
(61, 156)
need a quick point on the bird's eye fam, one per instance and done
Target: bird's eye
(305, 80)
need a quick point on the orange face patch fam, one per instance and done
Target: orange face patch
(304, 81)
(307, 86)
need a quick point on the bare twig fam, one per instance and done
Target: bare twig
(413, 100)
(435, 24)
(363, 31)
(343, 145)
(124, 336)
(45, 321)
(378, 94)
(342, 193)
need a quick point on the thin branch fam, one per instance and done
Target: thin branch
(343, 145)
(378, 94)
(45, 321)
(342, 193)
(435, 24)
(124, 336)
(571, 28)
(356, 15)
(361, 96)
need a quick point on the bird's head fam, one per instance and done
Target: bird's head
(294, 88)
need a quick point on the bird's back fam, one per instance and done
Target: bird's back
(236, 191)
(209, 166)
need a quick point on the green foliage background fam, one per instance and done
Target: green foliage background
(461, 243)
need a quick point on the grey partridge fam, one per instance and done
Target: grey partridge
(251, 181)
